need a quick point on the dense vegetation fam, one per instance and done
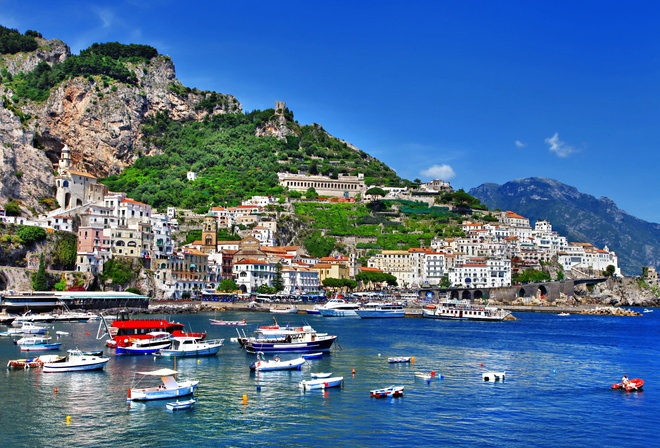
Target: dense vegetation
(232, 163)
(12, 41)
(108, 60)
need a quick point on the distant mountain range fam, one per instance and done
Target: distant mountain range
(580, 217)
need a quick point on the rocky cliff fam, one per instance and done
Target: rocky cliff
(99, 120)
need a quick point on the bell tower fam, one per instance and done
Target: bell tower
(210, 233)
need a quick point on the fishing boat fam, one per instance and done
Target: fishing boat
(181, 405)
(399, 359)
(228, 323)
(124, 331)
(633, 385)
(191, 347)
(339, 308)
(464, 310)
(76, 361)
(155, 341)
(169, 387)
(37, 344)
(378, 310)
(305, 340)
(321, 383)
(287, 310)
(387, 392)
(261, 364)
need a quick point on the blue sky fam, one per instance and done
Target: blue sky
(467, 91)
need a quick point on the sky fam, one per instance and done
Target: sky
(467, 91)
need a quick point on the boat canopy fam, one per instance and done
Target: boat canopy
(160, 372)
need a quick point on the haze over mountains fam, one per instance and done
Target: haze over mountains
(580, 217)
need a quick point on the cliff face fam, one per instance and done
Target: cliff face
(100, 121)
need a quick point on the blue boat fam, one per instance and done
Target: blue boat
(291, 343)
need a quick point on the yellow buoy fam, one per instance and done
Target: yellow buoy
(245, 399)
(68, 420)
(199, 361)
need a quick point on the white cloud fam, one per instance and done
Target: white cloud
(520, 144)
(559, 147)
(443, 172)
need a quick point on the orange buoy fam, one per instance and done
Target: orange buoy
(353, 371)
(482, 364)
(55, 390)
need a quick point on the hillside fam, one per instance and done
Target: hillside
(580, 217)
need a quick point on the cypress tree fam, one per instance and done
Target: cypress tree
(40, 279)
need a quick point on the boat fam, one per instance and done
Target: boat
(339, 308)
(399, 359)
(300, 339)
(155, 341)
(76, 361)
(387, 392)
(321, 375)
(287, 310)
(633, 385)
(493, 376)
(124, 331)
(646, 310)
(318, 355)
(229, 323)
(314, 310)
(169, 388)
(321, 383)
(46, 301)
(464, 310)
(379, 310)
(37, 344)
(181, 405)
(261, 364)
(564, 314)
(27, 327)
(191, 347)
(426, 375)
(33, 363)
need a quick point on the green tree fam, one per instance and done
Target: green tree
(12, 208)
(311, 194)
(40, 278)
(319, 246)
(227, 285)
(65, 250)
(278, 281)
(376, 191)
(31, 234)
(609, 270)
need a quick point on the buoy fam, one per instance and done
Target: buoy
(353, 372)
(199, 361)
(245, 399)
(258, 388)
(428, 381)
(412, 360)
(129, 393)
(432, 373)
(379, 355)
(482, 364)
(68, 420)
(55, 390)
(87, 333)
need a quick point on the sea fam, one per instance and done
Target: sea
(556, 392)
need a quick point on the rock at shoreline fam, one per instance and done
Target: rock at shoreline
(611, 311)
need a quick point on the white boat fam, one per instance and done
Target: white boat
(76, 361)
(190, 346)
(156, 341)
(321, 383)
(464, 310)
(261, 364)
(37, 344)
(228, 323)
(29, 317)
(339, 308)
(287, 310)
(564, 314)
(170, 387)
(493, 376)
(27, 327)
(321, 375)
(426, 375)
(378, 310)
(399, 359)
(181, 405)
(646, 310)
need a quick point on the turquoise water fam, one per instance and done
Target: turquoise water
(556, 393)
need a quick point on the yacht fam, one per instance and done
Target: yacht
(339, 308)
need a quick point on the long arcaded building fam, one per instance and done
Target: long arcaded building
(344, 186)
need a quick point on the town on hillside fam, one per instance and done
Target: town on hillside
(113, 225)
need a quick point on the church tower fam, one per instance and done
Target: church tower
(65, 160)
(210, 233)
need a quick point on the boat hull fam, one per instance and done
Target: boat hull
(338, 313)
(210, 351)
(75, 366)
(181, 405)
(318, 345)
(322, 383)
(141, 350)
(265, 366)
(184, 389)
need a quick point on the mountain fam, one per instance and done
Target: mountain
(580, 217)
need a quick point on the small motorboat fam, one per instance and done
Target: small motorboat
(229, 323)
(646, 310)
(287, 310)
(76, 361)
(321, 375)
(318, 355)
(181, 405)
(276, 364)
(322, 383)
(387, 392)
(633, 385)
(426, 375)
(564, 314)
(170, 387)
(493, 376)
(399, 359)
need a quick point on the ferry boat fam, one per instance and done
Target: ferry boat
(464, 310)
(375, 310)
(339, 308)
(46, 301)
(124, 330)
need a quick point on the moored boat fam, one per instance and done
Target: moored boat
(321, 374)
(308, 341)
(228, 323)
(378, 310)
(191, 347)
(261, 364)
(76, 361)
(318, 355)
(37, 344)
(493, 376)
(155, 341)
(286, 310)
(339, 308)
(392, 391)
(399, 359)
(169, 388)
(181, 405)
(33, 363)
(321, 383)
(464, 310)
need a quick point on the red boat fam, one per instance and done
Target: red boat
(124, 329)
(632, 385)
